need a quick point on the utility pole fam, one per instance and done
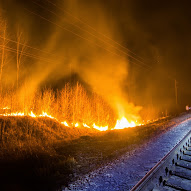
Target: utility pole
(175, 86)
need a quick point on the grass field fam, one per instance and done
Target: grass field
(41, 154)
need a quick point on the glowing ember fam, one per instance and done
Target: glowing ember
(124, 123)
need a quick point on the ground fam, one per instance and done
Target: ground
(50, 165)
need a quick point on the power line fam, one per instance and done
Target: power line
(26, 54)
(102, 40)
(88, 33)
(80, 36)
(28, 46)
(81, 21)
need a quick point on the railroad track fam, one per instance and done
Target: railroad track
(172, 172)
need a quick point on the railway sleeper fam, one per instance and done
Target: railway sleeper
(177, 183)
(162, 189)
(180, 174)
(183, 164)
(172, 173)
(187, 148)
(185, 158)
(181, 171)
(188, 153)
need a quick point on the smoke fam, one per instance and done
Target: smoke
(95, 57)
(80, 38)
(79, 41)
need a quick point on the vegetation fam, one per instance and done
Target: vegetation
(50, 154)
(20, 92)
(71, 104)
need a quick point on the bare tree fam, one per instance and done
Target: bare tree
(4, 41)
(20, 49)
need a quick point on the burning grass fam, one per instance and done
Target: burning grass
(50, 136)
(71, 106)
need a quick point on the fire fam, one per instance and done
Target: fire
(6, 108)
(44, 114)
(124, 123)
(120, 124)
(76, 125)
(85, 125)
(17, 114)
(100, 128)
(32, 114)
(13, 114)
(65, 123)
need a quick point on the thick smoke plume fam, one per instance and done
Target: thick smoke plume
(95, 57)
(80, 39)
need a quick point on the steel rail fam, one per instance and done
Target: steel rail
(164, 175)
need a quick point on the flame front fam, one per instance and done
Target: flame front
(120, 124)
(124, 123)
(100, 128)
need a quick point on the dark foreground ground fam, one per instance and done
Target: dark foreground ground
(56, 164)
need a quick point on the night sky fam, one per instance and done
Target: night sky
(157, 34)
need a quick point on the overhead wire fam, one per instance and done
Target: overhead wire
(80, 36)
(26, 54)
(74, 33)
(90, 33)
(85, 23)
(28, 46)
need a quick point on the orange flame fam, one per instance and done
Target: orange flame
(32, 114)
(44, 114)
(124, 123)
(100, 128)
(120, 124)
(65, 123)
(85, 125)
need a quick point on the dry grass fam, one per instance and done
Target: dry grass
(28, 151)
(43, 150)
(26, 135)
(72, 104)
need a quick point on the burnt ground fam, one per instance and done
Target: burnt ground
(68, 160)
